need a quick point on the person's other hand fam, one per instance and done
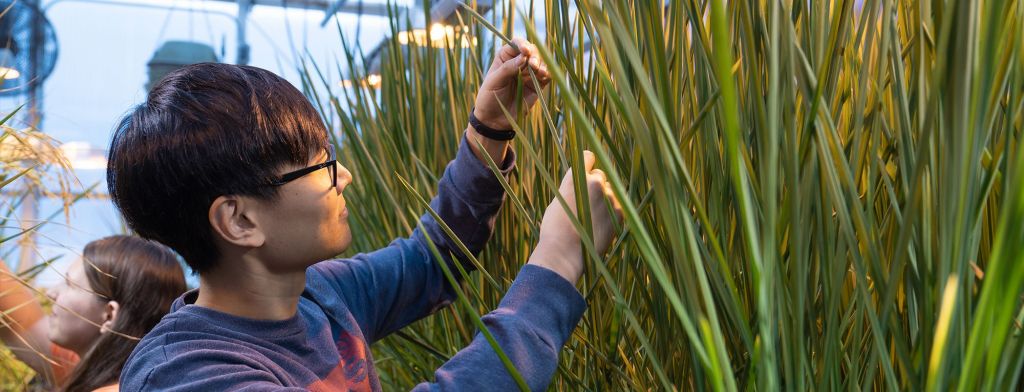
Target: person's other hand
(559, 248)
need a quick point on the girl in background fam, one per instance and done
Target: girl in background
(110, 298)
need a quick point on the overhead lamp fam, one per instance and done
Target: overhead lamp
(6, 70)
(84, 156)
(176, 54)
(371, 81)
(438, 36)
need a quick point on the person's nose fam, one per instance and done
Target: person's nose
(344, 178)
(52, 292)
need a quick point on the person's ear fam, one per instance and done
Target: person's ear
(232, 219)
(109, 316)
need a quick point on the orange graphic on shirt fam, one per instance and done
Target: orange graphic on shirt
(352, 371)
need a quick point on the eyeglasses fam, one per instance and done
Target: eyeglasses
(331, 165)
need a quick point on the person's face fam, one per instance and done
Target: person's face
(308, 222)
(77, 311)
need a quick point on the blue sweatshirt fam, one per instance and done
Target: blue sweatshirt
(350, 303)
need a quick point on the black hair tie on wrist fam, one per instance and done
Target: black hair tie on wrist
(488, 132)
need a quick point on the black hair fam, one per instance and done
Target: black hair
(206, 130)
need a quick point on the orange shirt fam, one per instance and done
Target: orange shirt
(65, 362)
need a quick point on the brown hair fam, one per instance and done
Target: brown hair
(144, 278)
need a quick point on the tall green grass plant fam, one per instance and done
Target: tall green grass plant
(820, 195)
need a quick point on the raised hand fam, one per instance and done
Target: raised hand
(501, 81)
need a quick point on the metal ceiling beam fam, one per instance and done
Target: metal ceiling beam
(245, 7)
(368, 8)
(357, 7)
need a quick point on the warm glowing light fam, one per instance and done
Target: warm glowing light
(439, 32)
(438, 36)
(371, 81)
(7, 57)
(9, 73)
(84, 156)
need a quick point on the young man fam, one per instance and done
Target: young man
(231, 167)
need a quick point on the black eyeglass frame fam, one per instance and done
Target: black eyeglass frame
(331, 165)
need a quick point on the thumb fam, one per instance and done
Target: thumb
(588, 160)
(588, 164)
(512, 66)
(566, 183)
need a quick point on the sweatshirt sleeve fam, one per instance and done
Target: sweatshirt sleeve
(531, 324)
(392, 287)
